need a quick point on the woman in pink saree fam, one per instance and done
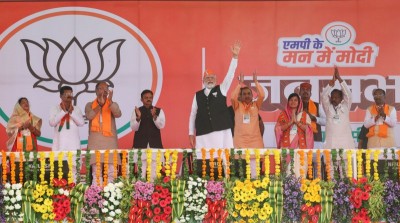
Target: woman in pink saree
(293, 128)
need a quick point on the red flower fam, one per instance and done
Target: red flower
(168, 200)
(365, 196)
(311, 211)
(155, 195)
(157, 210)
(157, 218)
(149, 213)
(165, 191)
(155, 201)
(363, 180)
(163, 203)
(167, 210)
(314, 218)
(158, 188)
(367, 188)
(317, 208)
(304, 207)
(357, 192)
(166, 179)
(66, 203)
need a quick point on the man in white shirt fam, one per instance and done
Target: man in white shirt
(66, 118)
(210, 122)
(380, 120)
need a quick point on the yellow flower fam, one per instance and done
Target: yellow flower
(48, 202)
(257, 183)
(50, 192)
(45, 216)
(238, 206)
(52, 216)
(303, 188)
(235, 214)
(243, 213)
(39, 200)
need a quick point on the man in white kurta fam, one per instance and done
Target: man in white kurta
(210, 137)
(66, 137)
(337, 110)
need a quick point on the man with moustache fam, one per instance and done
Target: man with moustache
(380, 120)
(210, 122)
(101, 113)
(147, 121)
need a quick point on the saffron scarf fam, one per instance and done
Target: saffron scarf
(312, 109)
(382, 129)
(106, 118)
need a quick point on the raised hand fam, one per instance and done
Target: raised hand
(138, 114)
(110, 95)
(337, 75)
(255, 76)
(235, 48)
(101, 100)
(241, 78)
(153, 113)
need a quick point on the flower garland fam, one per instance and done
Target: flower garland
(386, 167)
(123, 164)
(359, 199)
(228, 163)
(395, 168)
(211, 163)
(161, 201)
(391, 198)
(115, 164)
(140, 211)
(248, 168)
(376, 157)
(232, 160)
(88, 156)
(51, 160)
(139, 164)
(349, 164)
(368, 163)
(216, 203)
(309, 162)
(61, 199)
(327, 156)
(112, 197)
(158, 164)
(277, 162)
(267, 164)
(43, 202)
(70, 167)
(131, 162)
(42, 166)
(13, 202)
(167, 165)
(342, 208)
(257, 158)
(219, 164)
(203, 161)
(195, 200)
(21, 167)
(174, 164)
(105, 167)
(312, 198)
(12, 171)
(34, 177)
(240, 162)
(60, 165)
(359, 163)
(149, 156)
(319, 175)
(292, 198)
(98, 167)
(93, 204)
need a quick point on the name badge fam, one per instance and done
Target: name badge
(336, 119)
(246, 118)
(293, 130)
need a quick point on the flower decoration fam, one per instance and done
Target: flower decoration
(43, 202)
(2, 205)
(61, 199)
(12, 196)
(94, 202)
(292, 198)
(161, 200)
(141, 208)
(391, 199)
(311, 209)
(112, 198)
(195, 200)
(359, 196)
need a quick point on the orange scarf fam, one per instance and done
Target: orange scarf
(382, 131)
(312, 109)
(285, 142)
(105, 128)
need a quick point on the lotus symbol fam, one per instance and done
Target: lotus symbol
(81, 66)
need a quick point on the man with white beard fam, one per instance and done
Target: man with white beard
(210, 122)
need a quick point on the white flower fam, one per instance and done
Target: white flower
(111, 207)
(18, 197)
(120, 184)
(66, 193)
(17, 206)
(112, 214)
(107, 194)
(18, 193)
(6, 198)
(106, 189)
(11, 192)
(118, 211)
(7, 185)
(13, 200)
(61, 191)
(104, 210)
(116, 203)
(105, 203)
(11, 208)
(5, 192)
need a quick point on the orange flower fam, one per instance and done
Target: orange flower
(327, 156)
(319, 164)
(21, 167)
(219, 164)
(4, 160)
(105, 172)
(203, 167)
(98, 167)
(309, 161)
(123, 163)
(228, 170)
(212, 163)
(12, 162)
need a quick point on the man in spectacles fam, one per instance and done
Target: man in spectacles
(380, 120)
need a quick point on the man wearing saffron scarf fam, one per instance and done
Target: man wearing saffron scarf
(210, 122)
(380, 120)
(101, 113)
(316, 113)
(147, 121)
(66, 118)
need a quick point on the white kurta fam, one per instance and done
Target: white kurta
(217, 139)
(338, 129)
(66, 139)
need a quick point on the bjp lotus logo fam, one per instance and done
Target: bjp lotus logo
(76, 64)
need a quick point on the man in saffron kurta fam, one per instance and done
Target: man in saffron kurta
(247, 128)
(315, 111)
(380, 120)
(101, 114)
(337, 105)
